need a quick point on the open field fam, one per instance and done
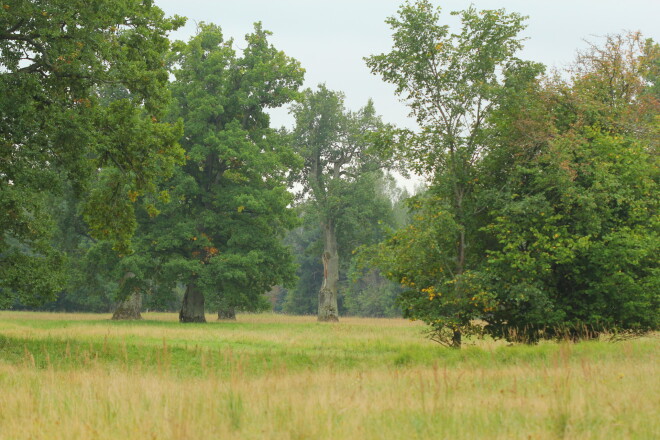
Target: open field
(65, 376)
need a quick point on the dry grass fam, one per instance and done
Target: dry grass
(359, 379)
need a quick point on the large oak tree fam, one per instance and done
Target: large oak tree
(221, 234)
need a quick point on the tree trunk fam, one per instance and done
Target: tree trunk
(192, 308)
(456, 339)
(129, 308)
(328, 309)
(227, 314)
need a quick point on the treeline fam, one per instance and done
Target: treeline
(136, 172)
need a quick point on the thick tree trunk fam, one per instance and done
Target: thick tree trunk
(192, 308)
(328, 309)
(227, 314)
(129, 308)
(327, 306)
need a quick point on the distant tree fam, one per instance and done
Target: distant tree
(368, 292)
(90, 284)
(367, 210)
(336, 146)
(306, 245)
(221, 234)
(54, 58)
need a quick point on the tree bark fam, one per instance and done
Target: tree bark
(328, 309)
(129, 308)
(227, 314)
(192, 308)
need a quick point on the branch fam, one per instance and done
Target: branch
(14, 28)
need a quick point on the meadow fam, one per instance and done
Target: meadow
(83, 376)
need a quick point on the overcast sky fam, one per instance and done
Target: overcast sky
(331, 37)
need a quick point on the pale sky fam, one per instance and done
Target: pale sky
(331, 37)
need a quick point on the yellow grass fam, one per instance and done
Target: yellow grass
(584, 391)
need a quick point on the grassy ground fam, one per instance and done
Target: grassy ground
(66, 376)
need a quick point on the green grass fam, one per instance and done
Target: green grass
(270, 376)
(264, 346)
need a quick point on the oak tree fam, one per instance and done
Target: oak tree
(221, 234)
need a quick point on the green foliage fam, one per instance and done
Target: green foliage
(222, 229)
(419, 258)
(369, 293)
(306, 245)
(56, 58)
(576, 224)
(451, 83)
(378, 207)
(541, 219)
(336, 144)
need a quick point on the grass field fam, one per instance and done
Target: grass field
(66, 376)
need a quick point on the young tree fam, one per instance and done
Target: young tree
(221, 235)
(54, 58)
(336, 147)
(451, 83)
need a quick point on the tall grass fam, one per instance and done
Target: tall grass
(279, 377)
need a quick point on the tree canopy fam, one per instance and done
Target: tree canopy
(57, 61)
(221, 235)
(540, 219)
